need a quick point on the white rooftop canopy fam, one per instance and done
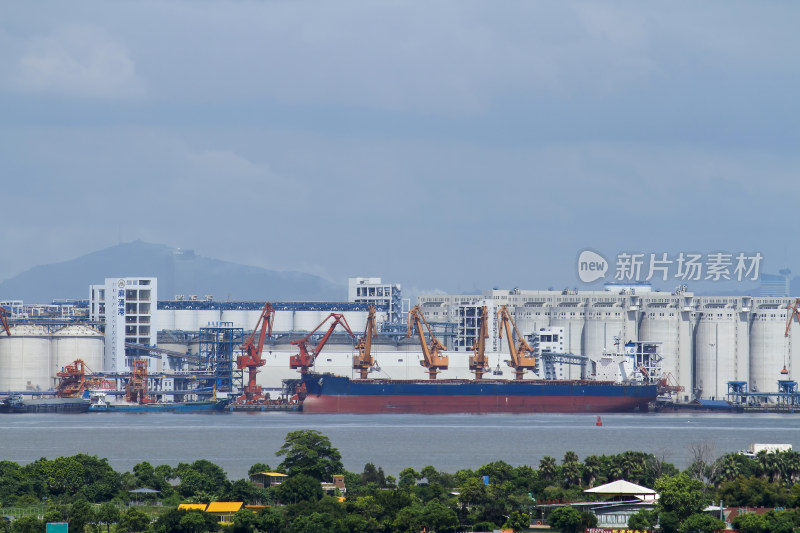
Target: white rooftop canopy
(622, 487)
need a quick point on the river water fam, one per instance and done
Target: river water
(235, 441)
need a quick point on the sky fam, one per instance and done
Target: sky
(445, 145)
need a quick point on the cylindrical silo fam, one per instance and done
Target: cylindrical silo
(603, 330)
(241, 318)
(660, 325)
(768, 350)
(77, 342)
(25, 360)
(721, 348)
(572, 320)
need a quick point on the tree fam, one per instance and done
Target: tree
(680, 494)
(28, 524)
(518, 521)
(565, 519)
(244, 521)
(547, 468)
(108, 514)
(309, 452)
(202, 477)
(439, 518)
(298, 488)
(643, 520)
(196, 521)
(750, 523)
(591, 469)
(80, 514)
(701, 523)
(133, 520)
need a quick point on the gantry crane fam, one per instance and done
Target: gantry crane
(521, 358)
(4, 320)
(251, 360)
(305, 359)
(478, 362)
(363, 362)
(431, 358)
(136, 388)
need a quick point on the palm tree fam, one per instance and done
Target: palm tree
(570, 457)
(726, 468)
(547, 467)
(591, 469)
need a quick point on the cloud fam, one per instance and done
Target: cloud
(76, 60)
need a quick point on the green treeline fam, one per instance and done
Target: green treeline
(89, 494)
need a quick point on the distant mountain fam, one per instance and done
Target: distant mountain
(178, 272)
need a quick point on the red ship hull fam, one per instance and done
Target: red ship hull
(469, 404)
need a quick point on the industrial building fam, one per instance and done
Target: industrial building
(705, 341)
(127, 306)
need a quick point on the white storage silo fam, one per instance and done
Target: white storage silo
(722, 345)
(25, 359)
(572, 320)
(661, 325)
(768, 349)
(603, 330)
(77, 341)
(241, 318)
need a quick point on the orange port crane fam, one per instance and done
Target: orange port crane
(4, 320)
(431, 358)
(363, 362)
(478, 362)
(305, 359)
(251, 360)
(521, 358)
(77, 378)
(136, 388)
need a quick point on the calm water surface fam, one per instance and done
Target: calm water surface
(448, 442)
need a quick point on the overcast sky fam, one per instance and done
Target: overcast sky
(449, 145)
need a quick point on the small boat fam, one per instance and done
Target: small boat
(100, 404)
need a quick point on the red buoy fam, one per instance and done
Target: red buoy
(599, 422)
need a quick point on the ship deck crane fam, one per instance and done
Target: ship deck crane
(363, 362)
(478, 362)
(431, 358)
(4, 320)
(251, 359)
(305, 359)
(521, 358)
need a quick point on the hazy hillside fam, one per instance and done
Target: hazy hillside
(178, 272)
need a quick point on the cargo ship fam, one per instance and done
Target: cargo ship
(99, 404)
(18, 404)
(328, 393)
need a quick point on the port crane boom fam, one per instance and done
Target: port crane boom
(477, 362)
(363, 362)
(251, 359)
(305, 359)
(4, 320)
(431, 358)
(521, 358)
(792, 312)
